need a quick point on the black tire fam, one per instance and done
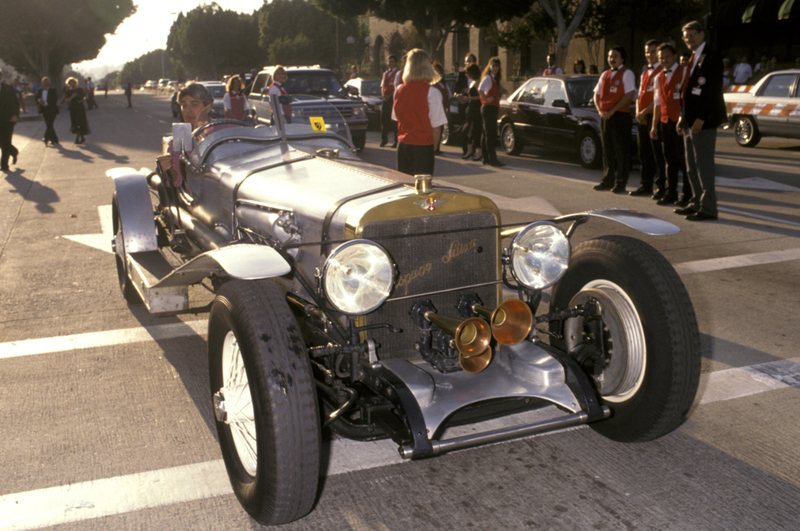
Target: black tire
(590, 150)
(745, 131)
(510, 140)
(125, 284)
(252, 328)
(359, 139)
(649, 329)
(445, 136)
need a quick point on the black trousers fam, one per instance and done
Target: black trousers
(651, 157)
(616, 137)
(415, 160)
(489, 139)
(7, 150)
(387, 124)
(672, 146)
(50, 132)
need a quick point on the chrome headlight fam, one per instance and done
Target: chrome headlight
(357, 277)
(540, 255)
(360, 111)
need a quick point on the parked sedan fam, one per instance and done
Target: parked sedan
(771, 107)
(554, 111)
(217, 90)
(369, 90)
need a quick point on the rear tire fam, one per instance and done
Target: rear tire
(649, 333)
(590, 151)
(745, 131)
(264, 402)
(510, 140)
(125, 283)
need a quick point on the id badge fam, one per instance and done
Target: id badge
(696, 91)
(613, 89)
(676, 96)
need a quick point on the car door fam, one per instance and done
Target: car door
(528, 117)
(774, 98)
(559, 125)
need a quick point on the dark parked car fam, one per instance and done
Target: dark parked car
(369, 90)
(217, 90)
(554, 111)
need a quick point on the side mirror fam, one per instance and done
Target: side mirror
(561, 104)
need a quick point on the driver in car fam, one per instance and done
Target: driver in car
(195, 101)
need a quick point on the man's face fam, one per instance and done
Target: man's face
(666, 58)
(392, 63)
(46, 82)
(651, 54)
(615, 59)
(693, 39)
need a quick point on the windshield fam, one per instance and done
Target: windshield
(317, 83)
(371, 87)
(581, 92)
(216, 90)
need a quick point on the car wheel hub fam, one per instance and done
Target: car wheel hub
(624, 341)
(233, 404)
(588, 149)
(743, 130)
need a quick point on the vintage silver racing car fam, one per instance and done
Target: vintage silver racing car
(352, 298)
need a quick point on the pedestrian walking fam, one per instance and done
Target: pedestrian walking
(74, 96)
(651, 156)
(666, 112)
(9, 114)
(489, 91)
(612, 97)
(702, 111)
(387, 90)
(419, 114)
(128, 92)
(47, 98)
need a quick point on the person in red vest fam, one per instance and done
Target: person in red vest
(234, 101)
(441, 86)
(279, 77)
(552, 69)
(666, 111)
(650, 155)
(419, 114)
(387, 90)
(489, 91)
(612, 97)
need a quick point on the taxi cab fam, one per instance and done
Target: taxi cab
(771, 107)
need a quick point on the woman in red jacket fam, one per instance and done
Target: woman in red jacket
(489, 91)
(419, 113)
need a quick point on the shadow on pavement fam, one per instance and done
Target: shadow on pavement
(33, 191)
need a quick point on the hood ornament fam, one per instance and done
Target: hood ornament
(430, 204)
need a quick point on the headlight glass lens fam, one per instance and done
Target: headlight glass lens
(359, 112)
(358, 276)
(540, 255)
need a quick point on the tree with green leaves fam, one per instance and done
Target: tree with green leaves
(40, 37)
(433, 20)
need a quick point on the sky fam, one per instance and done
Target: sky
(147, 30)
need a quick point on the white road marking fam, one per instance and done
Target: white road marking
(101, 241)
(47, 345)
(742, 260)
(746, 214)
(745, 381)
(755, 183)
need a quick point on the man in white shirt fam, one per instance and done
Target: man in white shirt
(742, 72)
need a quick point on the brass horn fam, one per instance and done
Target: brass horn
(472, 338)
(511, 322)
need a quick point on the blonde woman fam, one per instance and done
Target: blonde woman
(489, 91)
(234, 102)
(74, 97)
(279, 77)
(419, 114)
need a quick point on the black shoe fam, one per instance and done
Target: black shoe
(658, 195)
(393, 145)
(384, 142)
(14, 159)
(701, 216)
(602, 187)
(437, 152)
(642, 190)
(682, 203)
(685, 211)
(468, 155)
(476, 158)
(667, 201)
(496, 163)
(45, 141)
(619, 189)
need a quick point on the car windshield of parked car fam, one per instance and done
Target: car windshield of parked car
(317, 83)
(216, 89)
(779, 86)
(581, 92)
(371, 87)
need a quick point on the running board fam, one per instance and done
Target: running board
(505, 434)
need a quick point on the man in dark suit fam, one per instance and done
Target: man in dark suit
(47, 98)
(9, 113)
(702, 111)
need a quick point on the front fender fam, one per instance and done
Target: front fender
(644, 223)
(135, 209)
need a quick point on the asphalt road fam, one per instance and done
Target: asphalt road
(108, 422)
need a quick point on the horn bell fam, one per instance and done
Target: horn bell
(512, 321)
(472, 339)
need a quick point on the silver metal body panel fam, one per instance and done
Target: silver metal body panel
(135, 209)
(640, 221)
(519, 371)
